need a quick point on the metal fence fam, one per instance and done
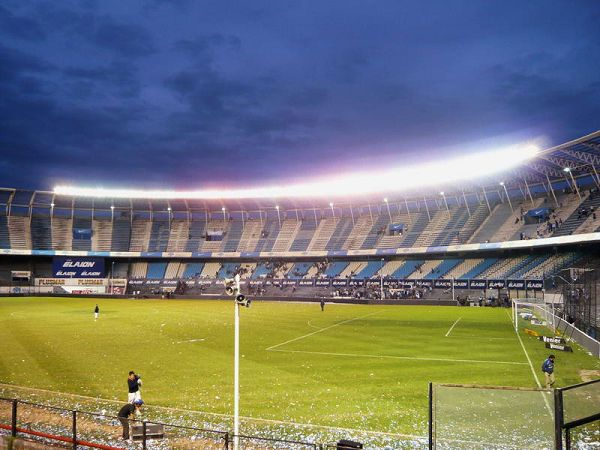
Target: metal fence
(577, 406)
(78, 429)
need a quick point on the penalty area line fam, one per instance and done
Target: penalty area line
(452, 327)
(414, 358)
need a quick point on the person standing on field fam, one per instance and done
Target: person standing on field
(322, 304)
(134, 383)
(96, 312)
(548, 369)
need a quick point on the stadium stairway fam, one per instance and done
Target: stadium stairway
(526, 265)
(340, 234)
(4, 234)
(377, 230)
(156, 270)
(232, 238)
(159, 236)
(323, 233)
(102, 230)
(407, 268)
(140, 235)
(460, 269)
(419, 224)
(196, 235)
(425, 269)
(287, 235)
(370, 269)
(334, 269)
(358, 233)
(19, 229)
(352, 269)
(178, 235)
(298, 270)
(41, 233)
(193, 270)
(440, 270)
(62, 234)
(269, 235)
(575, 219)
(478, 268)
(227, 270)
(250, 235)
(121, 234)
(304, 236)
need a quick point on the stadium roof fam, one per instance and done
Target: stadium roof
(577, 159)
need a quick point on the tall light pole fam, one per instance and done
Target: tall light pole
(232, 287)
(381, 279)
(278, 216)
(332, 210)
(224, 217)
(388, 208)
(507, 197)
(445, 201)
(568, 170)
(112, 213)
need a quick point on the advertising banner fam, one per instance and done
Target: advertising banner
(477, 284)
(461, 284)
(496, 284)
(515, 284)
(339, 282)
(67, 267)
(306, 282)
(536, 285)
(442, 284)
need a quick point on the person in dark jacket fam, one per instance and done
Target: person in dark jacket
(96, 312)
(322, 304)
(548, 369)
(134, 383)
(126, 412)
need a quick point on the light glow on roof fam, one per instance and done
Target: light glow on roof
(399, 179)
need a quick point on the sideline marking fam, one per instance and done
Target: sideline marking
(537, 381)
(452, 327)
(320, 330)
(416, 358)
(189, 340)
(258, 419)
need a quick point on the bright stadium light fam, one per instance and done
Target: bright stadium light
(402, 178)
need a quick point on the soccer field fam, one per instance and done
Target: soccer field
(363, 367)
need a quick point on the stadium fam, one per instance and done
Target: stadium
(417, 290)
(299, 225)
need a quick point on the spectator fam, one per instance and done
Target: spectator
(125, 413)
(548, 369)
(134, 383)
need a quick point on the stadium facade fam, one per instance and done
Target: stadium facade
(526, 232)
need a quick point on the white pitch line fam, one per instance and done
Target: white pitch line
(189, 340)
(452, 327)
(537, 381)
(415, 358)
(320, 330)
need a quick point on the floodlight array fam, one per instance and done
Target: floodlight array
(399, 179)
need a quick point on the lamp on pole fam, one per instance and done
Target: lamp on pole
(278, 216)
(332, 210)
(388, 208)
(112, 213)
(445, 201)
(507, 197)
(224, 216)
(568, 170)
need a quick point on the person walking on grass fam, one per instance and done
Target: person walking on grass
(322, 304)
(96, 312)
(127, 412)
(548, 369)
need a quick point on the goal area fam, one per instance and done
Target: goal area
(538, 318)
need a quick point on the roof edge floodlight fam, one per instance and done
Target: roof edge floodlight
(466, 167)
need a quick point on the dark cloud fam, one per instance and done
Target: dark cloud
(20, 27)
(186, 94)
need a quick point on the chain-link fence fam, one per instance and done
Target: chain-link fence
(480, 417)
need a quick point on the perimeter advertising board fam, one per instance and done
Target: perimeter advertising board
(85, 267)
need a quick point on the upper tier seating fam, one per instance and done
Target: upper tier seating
(304, 235)
(159, 236)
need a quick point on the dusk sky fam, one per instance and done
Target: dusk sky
(189, 94)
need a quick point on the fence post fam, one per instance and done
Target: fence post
(13, 430)
(430, 430)
(144, 435)
(74, 430)
(558, 419)
(226, 440)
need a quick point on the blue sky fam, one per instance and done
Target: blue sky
(189, 94)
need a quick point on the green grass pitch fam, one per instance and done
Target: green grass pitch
(352, 366)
